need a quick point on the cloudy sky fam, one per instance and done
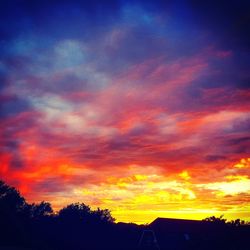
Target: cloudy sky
(141, 107)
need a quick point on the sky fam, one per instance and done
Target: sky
(141, 107)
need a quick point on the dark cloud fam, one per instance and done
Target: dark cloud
(233, 147)
(65, 84)
(227, 20)
(238, 145)
(121, 143)
(241, 125)
(51, 17)
(13, 105)
(9, 145)
(215, 158)
(16, 162)
(49, 184)
(239, 140)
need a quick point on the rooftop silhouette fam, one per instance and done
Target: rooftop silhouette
(77, 226)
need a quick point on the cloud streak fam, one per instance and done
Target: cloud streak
(109, 103)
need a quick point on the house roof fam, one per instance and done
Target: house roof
(172, 220)
(176, 225)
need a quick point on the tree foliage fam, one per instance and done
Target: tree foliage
(221, 220)
(82, 212)
(75, 211)
(11, 202)
(77, 226)
(217, 220)
(40, 210)
(103, 215)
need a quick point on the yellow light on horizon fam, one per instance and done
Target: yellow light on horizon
(244, 163)
(185, 175)
(143, 196)
(237, 186)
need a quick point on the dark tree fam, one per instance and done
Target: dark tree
(75, 212)
(76, 226)
(103, 215)
(40, 210)
(11, 202)
(237, 222)
(14, 216)
(217, 220)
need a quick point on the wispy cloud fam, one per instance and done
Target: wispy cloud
(136, 106)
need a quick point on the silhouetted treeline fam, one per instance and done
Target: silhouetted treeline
(78, 227)
(220, 221)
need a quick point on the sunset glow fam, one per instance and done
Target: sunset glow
(139, 107)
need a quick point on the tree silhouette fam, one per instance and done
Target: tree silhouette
(11, 202)
(75, 212)
(14, 215)
(237, 222)
(217, 220)
(40, 210)
(103, 215)
(83, 213)
(77, 226)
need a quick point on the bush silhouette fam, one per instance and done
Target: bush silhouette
(77, 226)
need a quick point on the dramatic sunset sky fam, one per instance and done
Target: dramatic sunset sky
(141, 107)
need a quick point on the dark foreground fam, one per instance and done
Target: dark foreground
(161, 234)
(26, 226)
